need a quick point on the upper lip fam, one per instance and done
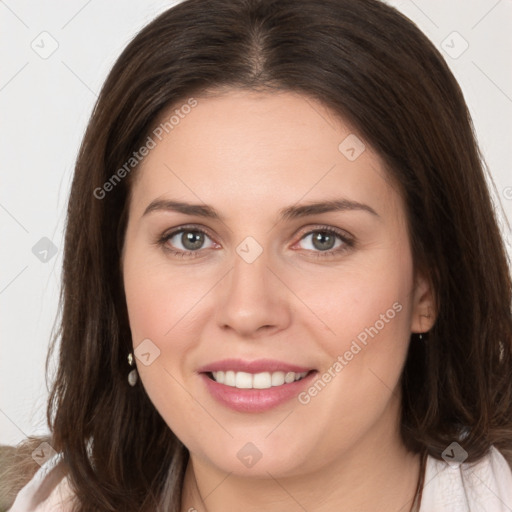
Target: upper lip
(256, 366)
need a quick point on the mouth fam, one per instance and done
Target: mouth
(247, 392)
(255, 386)
(262, 380)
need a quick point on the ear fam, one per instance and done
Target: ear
(424, 308)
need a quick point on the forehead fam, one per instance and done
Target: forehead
(254, 148)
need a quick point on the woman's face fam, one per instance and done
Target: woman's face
(263, 290)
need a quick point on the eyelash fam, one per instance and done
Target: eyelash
(347, 241)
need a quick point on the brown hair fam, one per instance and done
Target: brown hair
(373, 67)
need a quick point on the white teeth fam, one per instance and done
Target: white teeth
(277, 378)
(289, 377)
(264, 380)
(243, 380)
(229, 378)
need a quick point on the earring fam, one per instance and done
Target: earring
(133, 375)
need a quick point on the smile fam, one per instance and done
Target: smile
(254, 387)
(263, 380)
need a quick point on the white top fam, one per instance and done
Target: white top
(485, 486)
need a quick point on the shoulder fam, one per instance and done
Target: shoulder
(47, 491)
(482, 486)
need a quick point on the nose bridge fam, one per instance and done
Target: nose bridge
(252, 296)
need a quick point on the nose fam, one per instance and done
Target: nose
(253, 300)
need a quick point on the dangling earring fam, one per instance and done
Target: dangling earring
(133, 375)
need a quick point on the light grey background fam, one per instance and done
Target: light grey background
(46, 99)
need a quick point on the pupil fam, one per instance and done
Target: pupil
(192, 239)
(322, 238)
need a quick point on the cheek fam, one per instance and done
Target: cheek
(162, 302)
(160, 308)
(166, 305)
(366, 301)
(368, 313)
(147, 309)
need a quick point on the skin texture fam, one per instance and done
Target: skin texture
(249, 155)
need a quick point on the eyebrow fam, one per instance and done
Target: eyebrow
(288, 213)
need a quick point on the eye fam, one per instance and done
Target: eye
(185, 241)
(327, 241)
(188, 241)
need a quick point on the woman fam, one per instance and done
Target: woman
(284, 286)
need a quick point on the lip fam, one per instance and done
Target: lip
(255, 400)
(256, 366)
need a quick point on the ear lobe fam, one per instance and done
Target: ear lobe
(424, 308)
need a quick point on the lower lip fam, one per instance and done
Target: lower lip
(255, 400)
